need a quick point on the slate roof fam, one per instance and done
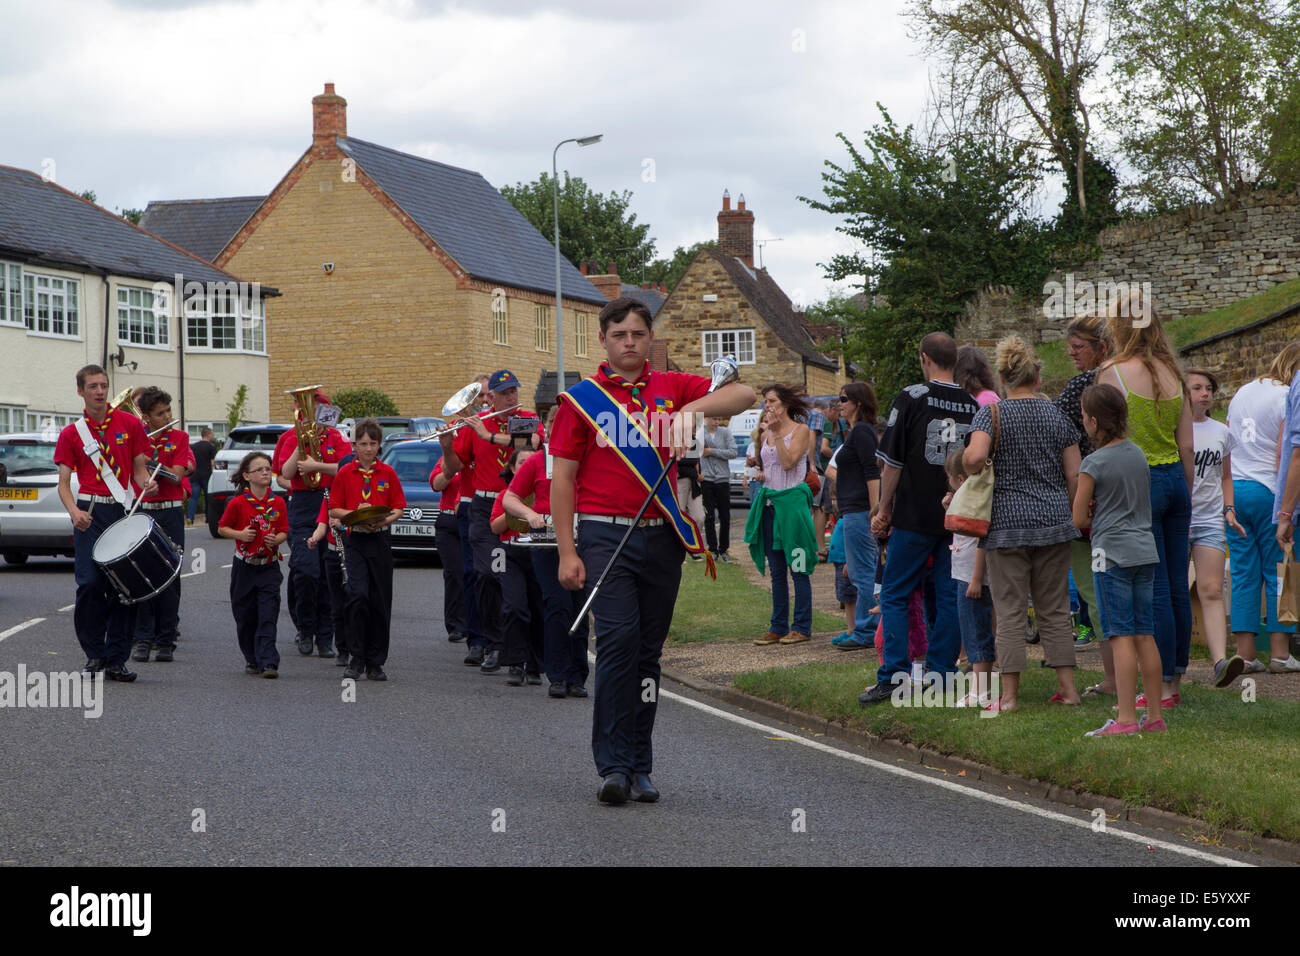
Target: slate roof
(773, 306)
(652, 299)
(203, 226)
(43, 223)
(473, 223)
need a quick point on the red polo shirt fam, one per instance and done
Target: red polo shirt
(356, 488)
(482, 461)
(451, 494)
(121, 437)
(323, 517)
(171, 448)
(531, 479)
(604, 484)
(333, 447)
(498, 510)
(268, 515)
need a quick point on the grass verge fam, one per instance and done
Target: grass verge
(1227, 762)
(728, 609)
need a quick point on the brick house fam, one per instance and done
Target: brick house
(723, 305)
(397, 272)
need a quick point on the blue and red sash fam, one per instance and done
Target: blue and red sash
(590, 400)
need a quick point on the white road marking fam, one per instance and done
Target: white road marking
(20, 627)
(955, 787)
(225, 565)
(67, 607)
(190, 574)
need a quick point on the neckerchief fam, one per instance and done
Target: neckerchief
(161, 444)
(264, 510)
(101, 438)
(634, 388)
(366, 474)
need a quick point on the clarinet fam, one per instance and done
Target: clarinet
(338, 539)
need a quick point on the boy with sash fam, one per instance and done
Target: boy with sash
(605, 463)
(481, 449)
(109, 451)
(158, 619)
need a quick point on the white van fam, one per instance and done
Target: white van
(740, 426)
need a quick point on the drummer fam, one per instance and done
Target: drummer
(158, 619)
(521, 594)
(109, 451)
(564, 655)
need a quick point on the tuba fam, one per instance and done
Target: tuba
(304, 400)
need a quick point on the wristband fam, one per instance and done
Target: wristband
(1229, 508)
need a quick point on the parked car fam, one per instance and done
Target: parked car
(32, 518)
(239, 442)
(413, 461)
(392, 438)
(418, 425)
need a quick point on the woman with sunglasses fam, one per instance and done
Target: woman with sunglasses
(857, 486)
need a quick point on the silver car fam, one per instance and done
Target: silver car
(32, 518)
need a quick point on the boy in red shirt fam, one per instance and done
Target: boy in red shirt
(258, 523)
(104, 624)
(367, 550)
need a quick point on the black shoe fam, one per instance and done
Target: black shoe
(614, 789)
(252, 670)
(642, 790)
(456, 637)
(491, 662)
(475, 656)
(164, 655)
(575, 690)
(141, 651)
(118, 672)
(342, 659)
(325, 648)
(270, 673)
(353, 672)
(533, 678)
(875, 695)
(375, 673)
(306, 644)
(515, 677)
(92, 666)
(556, 689)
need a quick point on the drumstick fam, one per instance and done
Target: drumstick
(140, 497)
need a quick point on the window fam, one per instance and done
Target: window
(228, 318)
(542, 323)
(11, 293)
(195, 430)
(737, 342)
(137, 322)
(500, 320)
(11, 419)
(580, 334)
(49, 423)
(50, 306)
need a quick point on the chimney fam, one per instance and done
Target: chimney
(582, 267)
(329, 117)
(609, 284)
(736, 230)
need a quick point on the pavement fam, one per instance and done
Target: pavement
(197, 764)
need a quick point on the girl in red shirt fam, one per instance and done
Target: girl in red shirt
(257, 521)
(521, 594)
(368, 554)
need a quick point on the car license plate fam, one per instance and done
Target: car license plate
(414, 529)
(18, 494)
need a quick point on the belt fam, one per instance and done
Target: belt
(623, 520)
(486, 494)
(98, 499)
(446, 511)
(160, 505)
(255, 561)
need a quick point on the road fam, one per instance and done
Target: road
(196, 763)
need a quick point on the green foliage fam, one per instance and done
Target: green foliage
(132, 215)
(235, 409)
(669, 271)
(89, 195)
(364, 402)
(592, 226)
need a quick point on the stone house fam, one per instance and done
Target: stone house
(398, 273)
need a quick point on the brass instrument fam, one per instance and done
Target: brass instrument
(125, 403)
(458, 405)
(305, 427)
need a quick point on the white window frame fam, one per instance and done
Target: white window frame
(712, 345)
(58, 290)
(243, 320)
(11, 295)
(36, 421)
(580, 334)
(142, 325)
(500, 318)
(541, 328)
(13, 418)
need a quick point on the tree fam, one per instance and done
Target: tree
(592, 226)
(1197, 83)
(669, 271)
(364, 402)
(132, 215)
(235, 408)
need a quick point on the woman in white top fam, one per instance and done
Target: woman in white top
(1256, 416)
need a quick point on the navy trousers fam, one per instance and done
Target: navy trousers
(158, 619)
(522, 612)
(473, 626)
(368, 607)
(565, 656)
(633, 611)
(310, 591)
(255, 602)
(489, 568)
(104, 625)
(453, 574)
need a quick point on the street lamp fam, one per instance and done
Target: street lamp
(559, 314)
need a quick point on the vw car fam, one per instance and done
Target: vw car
(413, 532)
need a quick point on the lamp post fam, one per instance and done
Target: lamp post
(559, 309)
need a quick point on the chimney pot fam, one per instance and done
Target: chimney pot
(611, 269)
(582, 267)
(329, 117)
(741, 203)
(726, 200)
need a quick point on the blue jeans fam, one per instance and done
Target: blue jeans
(802, 623)
(196, 488)
(976, 618)
(862, 552)
(904, 572)
(1171, 518)
(1254, 559)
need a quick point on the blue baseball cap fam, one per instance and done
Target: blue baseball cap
(501, 380)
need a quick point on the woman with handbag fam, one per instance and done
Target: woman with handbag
(1034, 451)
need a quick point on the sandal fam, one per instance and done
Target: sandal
(1094, 690)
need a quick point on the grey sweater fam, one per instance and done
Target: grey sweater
(714, 467)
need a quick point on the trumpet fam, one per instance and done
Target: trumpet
(304, 400)
(458, 405)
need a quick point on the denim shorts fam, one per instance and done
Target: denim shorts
(845, 592)
(975, 619)
(1124, 600)
(1209, 535)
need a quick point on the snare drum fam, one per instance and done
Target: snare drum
(138, 557)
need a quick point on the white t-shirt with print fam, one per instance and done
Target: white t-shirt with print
(1212, 441)
(1255, 414)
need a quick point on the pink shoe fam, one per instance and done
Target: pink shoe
(1165, 702)
(1113, 728)
(1151, 727)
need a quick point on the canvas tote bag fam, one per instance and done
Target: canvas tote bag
(971, 507)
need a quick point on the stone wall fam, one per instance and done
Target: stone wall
(1246, 354)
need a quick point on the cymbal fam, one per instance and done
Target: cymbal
(519, 525)
(364, 514)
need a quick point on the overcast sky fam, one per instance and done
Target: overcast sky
(149, 99)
